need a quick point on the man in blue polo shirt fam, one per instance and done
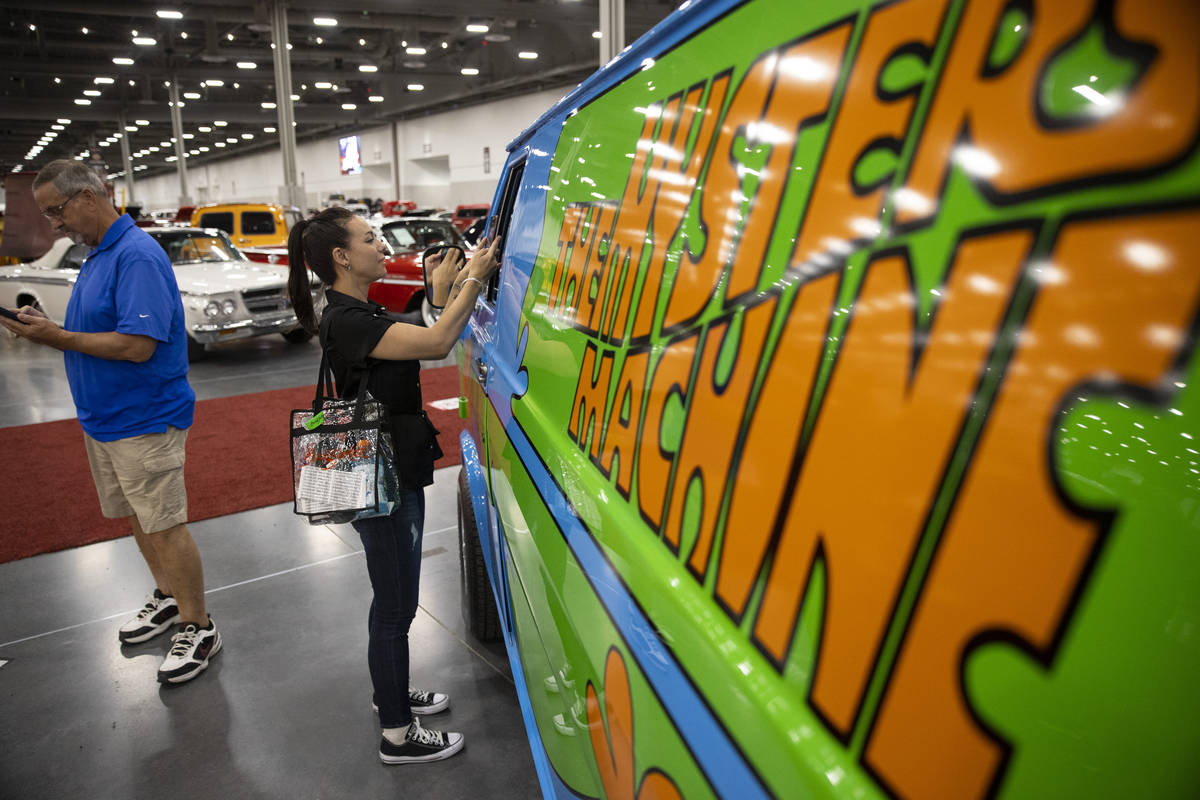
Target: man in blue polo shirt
(125, 349)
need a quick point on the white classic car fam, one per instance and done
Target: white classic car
(225, 295)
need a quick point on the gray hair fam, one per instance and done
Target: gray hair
(70, 177)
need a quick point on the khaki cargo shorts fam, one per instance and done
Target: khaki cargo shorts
(141, 475)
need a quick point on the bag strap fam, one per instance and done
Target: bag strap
(326, 390)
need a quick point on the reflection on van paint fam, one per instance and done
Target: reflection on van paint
(874, 466)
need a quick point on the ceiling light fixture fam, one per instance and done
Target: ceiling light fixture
(323, 85)
(220, 123)
(164, 13)
(122, 61)
(141, 122)
(528, 55)
(415, 51)
(416, 87)
(367, 68)
(214, 82)
(348, 106)
(247, 65)
(192, 95)
(63, 121)
(376, 98)
(469, 71)
(103, 80)
(362, 42)
(268, 105)
(268, 129)
(247, 135)
(183, 34)
(320, 40)
(325, 22)
(144, 41)
(91, 92)
(131, 128)
(477, 28)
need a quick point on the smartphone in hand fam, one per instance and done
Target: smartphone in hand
(4, 312)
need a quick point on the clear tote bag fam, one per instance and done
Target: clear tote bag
(343, 465)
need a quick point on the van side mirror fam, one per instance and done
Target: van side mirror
(441, 264)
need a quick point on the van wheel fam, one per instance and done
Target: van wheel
(195, 350)
(478, 602)
(297, 336)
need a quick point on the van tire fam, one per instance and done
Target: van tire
(478, 602)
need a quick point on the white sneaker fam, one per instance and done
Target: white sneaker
(159, 613)
(191, 649)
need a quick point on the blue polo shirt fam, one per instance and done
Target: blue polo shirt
(127, 285)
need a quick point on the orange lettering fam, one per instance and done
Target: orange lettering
(567, 234)
(670, 377)
(620, 435)
(672, 179)
(1012, 553)
(707, 451)
(781, 93)
(587, 409)
(1014, 152)
(775, 423)
(889, 422)
(840, 211)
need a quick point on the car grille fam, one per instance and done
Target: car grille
(263, 301)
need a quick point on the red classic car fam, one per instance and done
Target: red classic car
(403, 288)
(466, 215)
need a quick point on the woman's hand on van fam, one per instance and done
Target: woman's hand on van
(484, 262)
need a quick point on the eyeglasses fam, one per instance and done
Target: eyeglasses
(55, 212)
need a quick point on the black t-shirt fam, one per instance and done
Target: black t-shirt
(350, 329)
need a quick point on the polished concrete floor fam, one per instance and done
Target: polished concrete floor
(284, 711)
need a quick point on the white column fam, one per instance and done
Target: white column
(612, 29)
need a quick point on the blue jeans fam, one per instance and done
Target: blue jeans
(393, 549)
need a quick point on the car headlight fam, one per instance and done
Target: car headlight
(213, 309)
(228, 306)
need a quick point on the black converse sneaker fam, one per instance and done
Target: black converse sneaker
(420, 745)
(421, 702)
(191, 648)
(159, 613)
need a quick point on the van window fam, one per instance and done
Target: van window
(508, 202)
(256, 223)
(217, 219)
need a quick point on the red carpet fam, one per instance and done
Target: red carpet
(237, 459)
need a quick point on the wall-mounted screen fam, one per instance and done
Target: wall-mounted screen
(350, 155)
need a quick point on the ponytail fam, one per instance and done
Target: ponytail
(310, 247)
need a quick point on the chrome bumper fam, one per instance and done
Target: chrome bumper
(208, 333)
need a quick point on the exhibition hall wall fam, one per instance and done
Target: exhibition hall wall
(440, 161)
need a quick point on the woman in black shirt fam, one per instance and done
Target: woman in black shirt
(360, 337)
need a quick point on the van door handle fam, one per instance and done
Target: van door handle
(481, 370)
